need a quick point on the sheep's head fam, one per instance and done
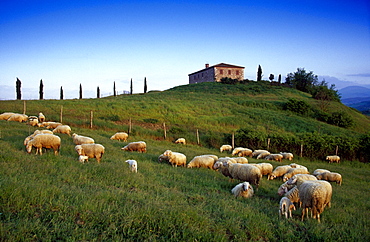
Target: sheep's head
(246, 186)
(74, 135)
(79, 149)
(292, 180)
(167, 153)
(29, 146)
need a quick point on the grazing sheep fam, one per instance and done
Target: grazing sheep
(286, 207)
(241, 160)
(319, 171)
(44, 141)
(243, 189)
(265, 168)
(274, 157)
(133, 165)
(263, 155)
(258, 152)
(315, 195)
(175, 158)
(205, 161)
(162, 158)
(139, 146)
(331, 177)
(299, 178)
(83, 158)
(236, 150)
(294, 165)
(52, 125)
(245, 152)
(245, 172)
(279, 171)
(284, 188)
(333, 158)
(6, 116)
(180, 141)
(287, 155)
(293, 171)
(293, 195)
(36, 133)
(18, 118)
(79, 139)
(119, 136)
(91, 150)
(33, 121)
(63, 129)
(226, 148)
(41, 117)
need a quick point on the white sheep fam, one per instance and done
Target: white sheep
(245, 152)
(265, 168)
(286, 207)
(41, 117)
(162, 158)
(293, 195)
(315, 195)
(36, 132)
(175, 158)
(18, 118)
(133, 165)
(52, 125)
(44, 141)
(245, 172)
(241, 160)
(119, 136)
(83, 158)
(180, 141)
(258, 152)
(63, 129)
(263, 155)
(293, 171)
(319, 171)
(33, 121)
(236, 150)
(226, 148)
(287, 155)
(223, 169)
(91, 150)
(331, 177)
(206, 161)
(274, 157)
(294, 165)
(243, 189)
(284, 188)
(333, 158)
(6, 115)
(279, 171)
(139, 146)
(79, 139)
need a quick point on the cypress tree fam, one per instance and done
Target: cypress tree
(279, 80)
(18, 89)
(98, 92)
(41, 91)
(61, 93)
(259, 73)
(114, 88)
(80, 91)
(145, 86)
(131, 87)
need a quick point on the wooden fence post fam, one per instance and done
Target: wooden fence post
(129, 127)
(61, 114)
(24, 107)
(268, 143)
(336, 150)
(198, 137)
(233, 140)
(164, 130)
(91, 119)
(301, 150)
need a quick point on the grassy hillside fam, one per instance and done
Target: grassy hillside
(49, 198)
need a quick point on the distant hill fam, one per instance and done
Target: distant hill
(357, 97)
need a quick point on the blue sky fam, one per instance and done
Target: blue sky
(96, 43)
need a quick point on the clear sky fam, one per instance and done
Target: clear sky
(96, 43)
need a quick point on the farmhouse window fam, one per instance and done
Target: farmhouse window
(229, 72)
(221, 72)
(237, 72)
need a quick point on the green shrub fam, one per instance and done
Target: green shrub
(297, 106)
(340, 119)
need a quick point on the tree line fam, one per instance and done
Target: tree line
(18, 88)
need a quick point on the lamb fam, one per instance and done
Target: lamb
(205, 161)
(139, 146)
(286, 207)
(44, 141)
(333, 158)
(119, 136)
(245, 172)
(315, 195)
(258, 152)
(6, 116)
(274, 157)
(331, 177)
(293, 171)
(265, 168)
(133, 165)
(83, 158)
(79, 139)
(91, 150)
(287, 155)
(263, 155)
(63, 129)
(245, 152)
(180, 141)
(243, 189)
(18, 118)
(175, 158)
(279, 171)
(41, 117)
(226, 148)
(36, 133)
(293, 195)
(319, 171)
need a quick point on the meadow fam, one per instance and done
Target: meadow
(56, 198)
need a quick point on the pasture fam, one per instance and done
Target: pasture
(56, 198)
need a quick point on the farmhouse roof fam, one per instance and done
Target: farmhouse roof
(219, 65)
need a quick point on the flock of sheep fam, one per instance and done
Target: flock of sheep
(300, 188)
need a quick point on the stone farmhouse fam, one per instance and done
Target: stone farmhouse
(216, 73)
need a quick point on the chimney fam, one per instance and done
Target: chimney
(207, 65)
